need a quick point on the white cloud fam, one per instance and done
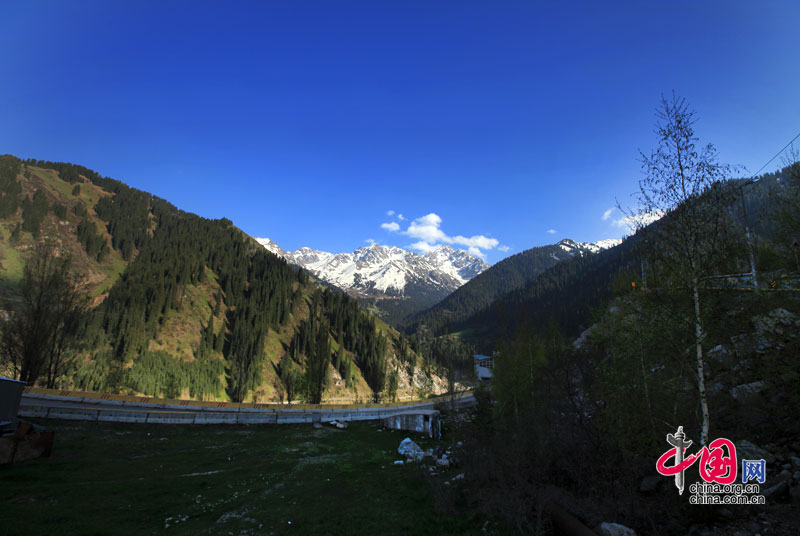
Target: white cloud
(369, 241)
(422, 246)
(390, 212)
(479, 241)
(427, 230)
(391, 226)
(607, 213)
(504, 248)
(401, 217)
(631, 223)
(476, 253)
(551, 231)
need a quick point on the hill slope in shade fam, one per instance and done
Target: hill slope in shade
(504, 277)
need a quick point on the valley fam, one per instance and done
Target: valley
(437, 268)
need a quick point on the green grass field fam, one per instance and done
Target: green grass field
(110, 478)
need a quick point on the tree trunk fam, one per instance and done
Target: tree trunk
(701, 381)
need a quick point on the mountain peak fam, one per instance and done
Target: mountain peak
(572, 247)
(379, 270)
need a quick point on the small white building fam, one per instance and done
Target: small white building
(483, 367)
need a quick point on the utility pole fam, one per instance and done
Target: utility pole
(747, 235)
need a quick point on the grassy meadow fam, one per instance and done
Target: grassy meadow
(112, 478)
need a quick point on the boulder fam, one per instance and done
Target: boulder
(749, 451)
(776, 491)
(783, 476)
(410, 450)
(746, 392)
(650, 483)
(795, 461)
(615, 529)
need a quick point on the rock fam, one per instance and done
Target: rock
(796, 475)
(783, 476)
(795, 461)
(725, 513)
(459, 476)
(341, 425)
(776, 491)
(745, 392)
(650, 483)
(410, 450)
(795, 493)
(444, 463)
(615, 529)
(749, 451)
(399, 462)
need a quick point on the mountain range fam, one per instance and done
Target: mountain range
(507, 276)
(399, 283)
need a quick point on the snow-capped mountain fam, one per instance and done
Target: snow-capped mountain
(508, 276)
(400, 282)
(581, 248)
(386, 271)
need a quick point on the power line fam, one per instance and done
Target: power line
(776, 155)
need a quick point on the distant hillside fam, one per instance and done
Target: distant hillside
(391, 282)
(570, 293)
(506, 276)
(567, 294)
(186, 306)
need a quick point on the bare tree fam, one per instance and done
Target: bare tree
(683, 188)
(41, 326)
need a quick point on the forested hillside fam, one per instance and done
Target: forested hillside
(566, 294)
(570, 294)
(185, 306)
(692, 322)
(480, 296)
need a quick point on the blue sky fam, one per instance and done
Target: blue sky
(490, 123)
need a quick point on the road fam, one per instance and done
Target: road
(40, 403)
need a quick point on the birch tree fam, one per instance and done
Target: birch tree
(683, 188)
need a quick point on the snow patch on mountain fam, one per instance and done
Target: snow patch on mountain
(582, 248)
(387, 270)
(381, 271)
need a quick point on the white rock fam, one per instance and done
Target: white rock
(410, 450)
